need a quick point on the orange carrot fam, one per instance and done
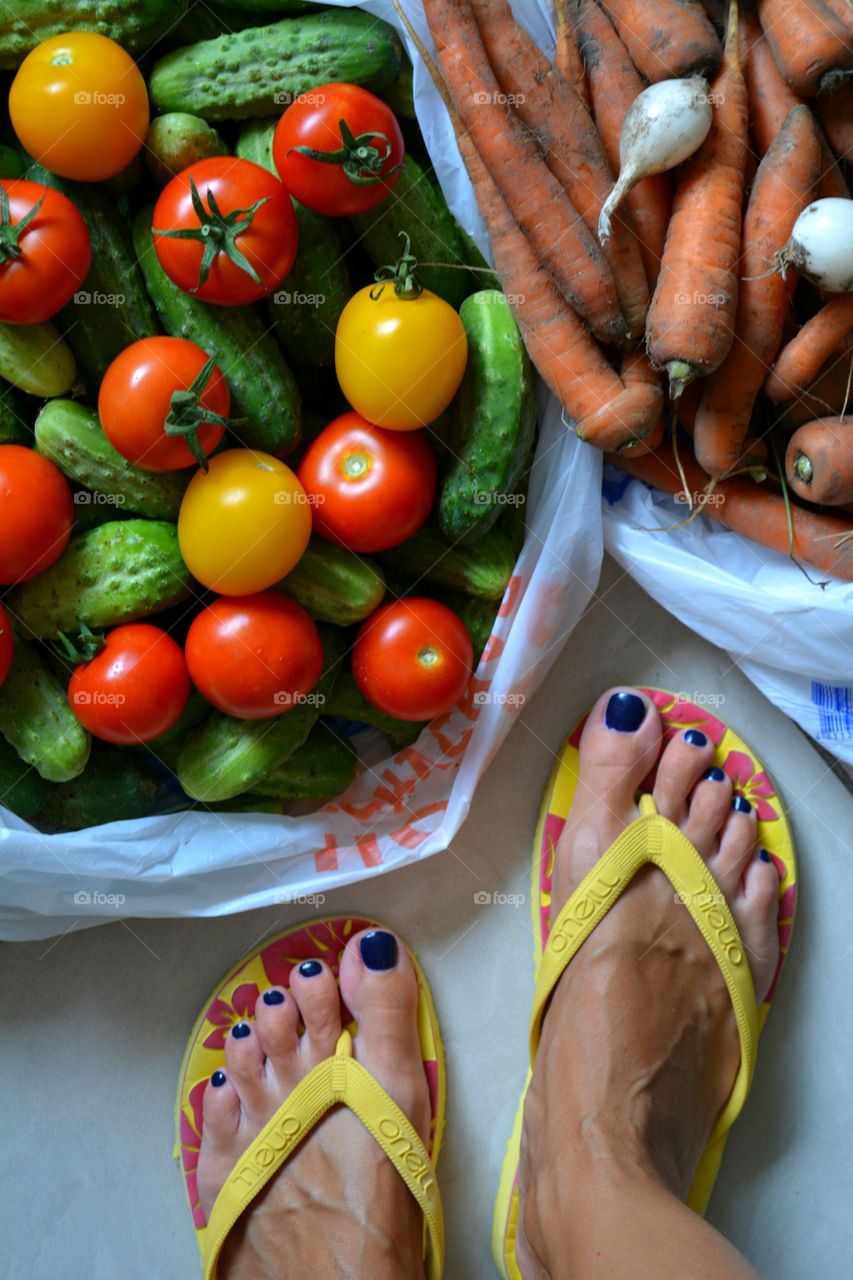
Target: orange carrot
(567, 59)
(752, 510)
(800, 360)
(667, 38)
(770, 98)
(540, 206)
(836, 115)
(569, 142)
(782, 189)
(691, 319)
(819, 461)
(830, 393)
(843, 10)
(614, 83)
(812, 47)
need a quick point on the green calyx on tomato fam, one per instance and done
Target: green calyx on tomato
(218, 232)
(85, 646)
(9, 234)
(403, 274)
(187, 414)
(357, 157)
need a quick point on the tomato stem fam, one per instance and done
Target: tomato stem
(187, 413)
(9, 234)
(358, 158)
(218, 232)
(86, 645)
(403, 273)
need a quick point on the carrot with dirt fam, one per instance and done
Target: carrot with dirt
(812, 46)
(753, 510)
(551, 224)
(567, 58)
(783, 187)
(569, 141)
(667, 39)
(770, 97)
(819, 461)
(691, 322)
(801, 360)
(830, 393)
(614, 83)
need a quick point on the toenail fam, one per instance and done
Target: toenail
(273, 997)
(740, 804)
(764, 855)
(240, 1030)
(379, 949)
(217, 1079)
(714, 775)
(625, 712)
(310, 968)
(696, 738)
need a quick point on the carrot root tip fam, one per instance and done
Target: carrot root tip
(680, 375)
(802, 467)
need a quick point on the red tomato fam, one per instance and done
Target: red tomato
(412, 659)
(44, 251)
(7, 644)
(134, 689)
(370, 488)
(137, 399)
(366, 162)
(244, 225)
(37, 511)
(254, 656)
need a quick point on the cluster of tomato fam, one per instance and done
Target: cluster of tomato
(224, 229)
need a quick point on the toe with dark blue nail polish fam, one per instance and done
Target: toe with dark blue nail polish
(310, 968)
(625, 712)
(740, 804)
(763, 855)
(714, 775)
(240, 1030)
(217, 1079)
(273, 997)
(379, 949)
(696, 738)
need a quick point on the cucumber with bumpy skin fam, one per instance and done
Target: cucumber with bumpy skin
(177, 140)
(483, 570)
(37, 359)
(117, 572)
(71, 436)
(347, 701)
(324, 766)
(334, 584)
(262, 386)
(135, 24)
(36, 720)
(14, 429)
(114, 787)
(252, 72)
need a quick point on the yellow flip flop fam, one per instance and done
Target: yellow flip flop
(339, 1080)
(651, 838)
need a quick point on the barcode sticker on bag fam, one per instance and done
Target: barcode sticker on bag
(834, 704)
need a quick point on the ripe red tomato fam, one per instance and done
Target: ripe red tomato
(134, 689)
(361, 142)
(413, 658)
(137, 403)
(244, 229)
(254, 656)
(370, 488)
(7, 644)
(44, 251)
(37, 511)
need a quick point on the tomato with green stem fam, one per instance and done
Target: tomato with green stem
(224, 229)
(7, 644)
(164, 404)
(45, 251)
(254, 656)
(413, 658)
(79, 106)
(133, 688)
(37, 512)
(338, 150)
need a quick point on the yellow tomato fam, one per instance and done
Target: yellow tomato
(243, 523)
(399, 359)
(79, 106)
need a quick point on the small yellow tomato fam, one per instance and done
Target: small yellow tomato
(243, 523)
(399, 359)
(79, 106)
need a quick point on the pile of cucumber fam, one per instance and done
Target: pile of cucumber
(218, 94)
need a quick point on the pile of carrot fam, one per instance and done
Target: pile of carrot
(758, 367)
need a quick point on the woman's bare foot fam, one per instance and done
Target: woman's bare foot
(639, 1046)
(337, 1210)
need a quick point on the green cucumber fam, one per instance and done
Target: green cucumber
(11, 164)
(71, 436)
(269, 6)
(305, 311)
(400, 94)
(22, 789)
(14, 427)
(135, 24)
(206, 22)
(492, 421)
(227, 757)
(115, 786)
(177, 140)
(36, 720)
(347, 701)
(262, 386)
(117, 572)
(334, 584)
(252, 72)
(324, 766)
(483, 570)
(478, 615)
(36, 358)
(418, 208)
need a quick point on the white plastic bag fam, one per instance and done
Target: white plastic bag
(200, 863)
